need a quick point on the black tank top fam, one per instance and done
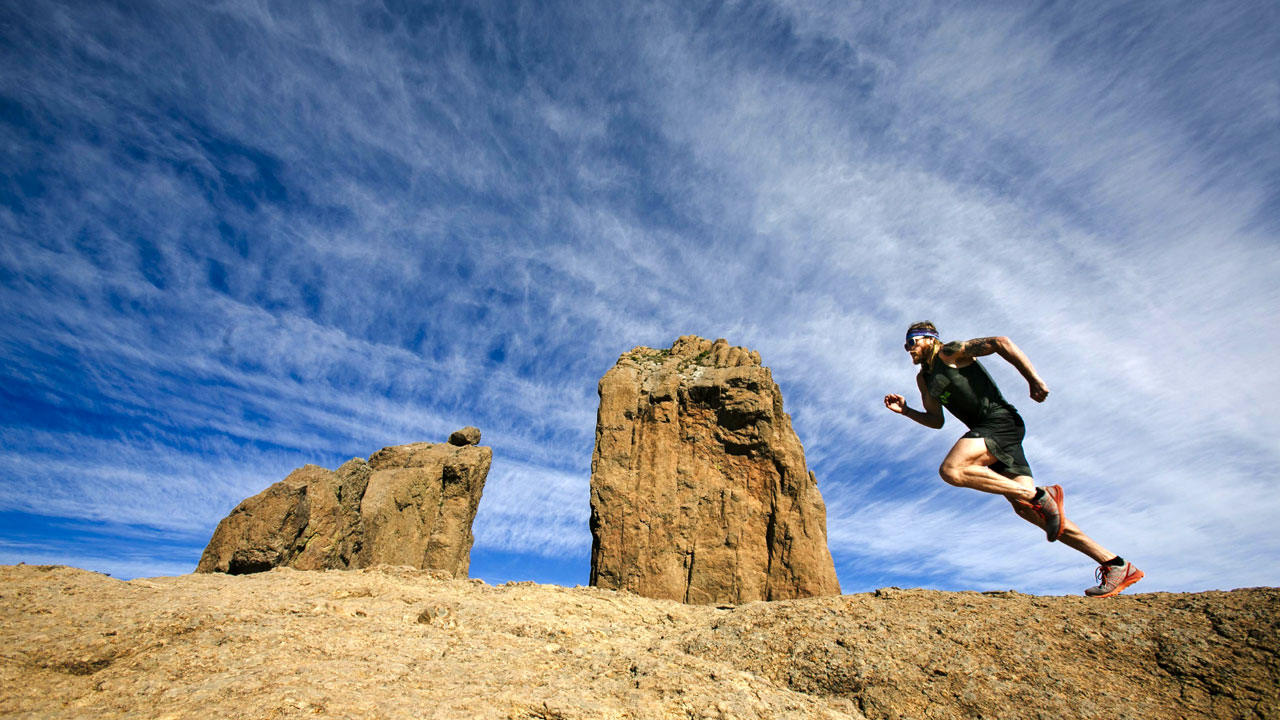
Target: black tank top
(968, 392)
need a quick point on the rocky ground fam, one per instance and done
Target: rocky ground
(391, 642)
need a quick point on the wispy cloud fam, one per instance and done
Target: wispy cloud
(558, 528)
(240, 237)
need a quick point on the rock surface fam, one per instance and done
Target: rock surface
(388, 642)
(699, 489)
(408, 505)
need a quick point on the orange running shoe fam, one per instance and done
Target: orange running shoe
(1112, 579)
(1050, 510)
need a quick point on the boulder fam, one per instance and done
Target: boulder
(466, 436)
(407, 505)
(699, 488)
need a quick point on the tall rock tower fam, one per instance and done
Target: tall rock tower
(699, 490)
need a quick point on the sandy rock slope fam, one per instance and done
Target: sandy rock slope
(393, 642)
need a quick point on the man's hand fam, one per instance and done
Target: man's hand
(1039, 391)
(896, 403)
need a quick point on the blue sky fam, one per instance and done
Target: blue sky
(237, 237)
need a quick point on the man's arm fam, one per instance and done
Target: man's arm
(932, 415)
(961, 353)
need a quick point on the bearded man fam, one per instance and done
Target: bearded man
(989, 457)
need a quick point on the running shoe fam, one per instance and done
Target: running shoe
(1113, 578)
(1050, 510)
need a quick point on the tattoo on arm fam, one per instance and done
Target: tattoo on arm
(981, 346)
(973, 348)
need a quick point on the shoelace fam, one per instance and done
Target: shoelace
(1104, 571)
(1101, 574)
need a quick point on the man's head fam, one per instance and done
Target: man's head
(923, 342)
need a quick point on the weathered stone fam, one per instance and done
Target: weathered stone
(466, 436)
(408, 505)
(699, 489)
(391, 642)
(420, 505)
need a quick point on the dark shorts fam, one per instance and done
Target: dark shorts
(1004, 433)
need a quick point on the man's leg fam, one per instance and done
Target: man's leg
(1072, 535)
(967, 466)
(1114, 574)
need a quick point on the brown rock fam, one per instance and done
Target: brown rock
(466, 436)
(420, 505)
(391, 642)
(699, 490)
(408, 505)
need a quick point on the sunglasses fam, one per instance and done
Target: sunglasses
(912, 342)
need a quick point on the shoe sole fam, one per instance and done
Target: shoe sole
(1055, 492)
(1134, 577)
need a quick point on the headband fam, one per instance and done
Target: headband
(922, 332)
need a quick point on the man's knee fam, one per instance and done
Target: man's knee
(952, 473)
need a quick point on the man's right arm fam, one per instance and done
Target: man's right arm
(932, 415)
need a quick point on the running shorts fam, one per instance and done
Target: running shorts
(1003, 433)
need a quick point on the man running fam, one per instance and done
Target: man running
(989, 457)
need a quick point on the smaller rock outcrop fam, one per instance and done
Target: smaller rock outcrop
(407, 505)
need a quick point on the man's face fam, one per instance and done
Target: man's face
(918, 347)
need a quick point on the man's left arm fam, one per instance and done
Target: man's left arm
(1005, 348)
